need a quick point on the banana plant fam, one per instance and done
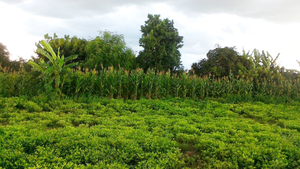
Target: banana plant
(56, 69)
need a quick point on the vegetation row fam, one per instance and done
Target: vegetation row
(113, 83)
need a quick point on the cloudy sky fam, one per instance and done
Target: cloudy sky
(270, 25)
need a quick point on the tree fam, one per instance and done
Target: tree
(56, 69)
(108, 50)
(67, 46)
(4, 56)
(222, 62)
(161, 42)
(200, 68)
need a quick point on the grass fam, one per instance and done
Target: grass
(171, 133)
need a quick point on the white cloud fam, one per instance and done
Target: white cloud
(12, 33)
(267, 25)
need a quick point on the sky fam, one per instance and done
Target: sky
(269, 25)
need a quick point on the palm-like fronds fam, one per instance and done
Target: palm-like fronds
(56, 70)
(49, 49)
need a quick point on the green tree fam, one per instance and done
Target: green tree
(56, 69)
(108, 50)
(200, 68)
(161, 42)
(67, 46)
(4, 56)
(222, 62)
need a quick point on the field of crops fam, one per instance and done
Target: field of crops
(112, 83)
(171, 133)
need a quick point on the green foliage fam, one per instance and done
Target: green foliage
(56, 69)
(264, 60)
(18, 83)
(4, 56)
(115, 83)
(66, 46)
(174, 133)
(109, 50)
(118, 83)
(161, 42)
(222, 62)
(265, 70)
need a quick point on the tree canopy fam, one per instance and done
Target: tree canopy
(67, 46)
(4, 56)
(161, 42)
(222, 62)
(109, 49)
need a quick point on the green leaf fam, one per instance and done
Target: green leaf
(48, 48)
(50, 80)
(35, 66)
(49, 70)
(46, 54)
(72, 57)
(58, 53)
(71, 65)
(61, 63)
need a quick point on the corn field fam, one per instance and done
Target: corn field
(112, 83)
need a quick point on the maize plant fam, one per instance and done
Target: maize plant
(149, 83)
(120, 83)
(163, 84)
(136, 81)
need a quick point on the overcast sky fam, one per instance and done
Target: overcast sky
(270, 25)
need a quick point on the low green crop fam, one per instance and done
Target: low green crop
(174, 133)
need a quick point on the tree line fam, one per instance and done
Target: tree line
(161, 43)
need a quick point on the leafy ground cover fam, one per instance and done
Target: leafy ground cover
(171, 133)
